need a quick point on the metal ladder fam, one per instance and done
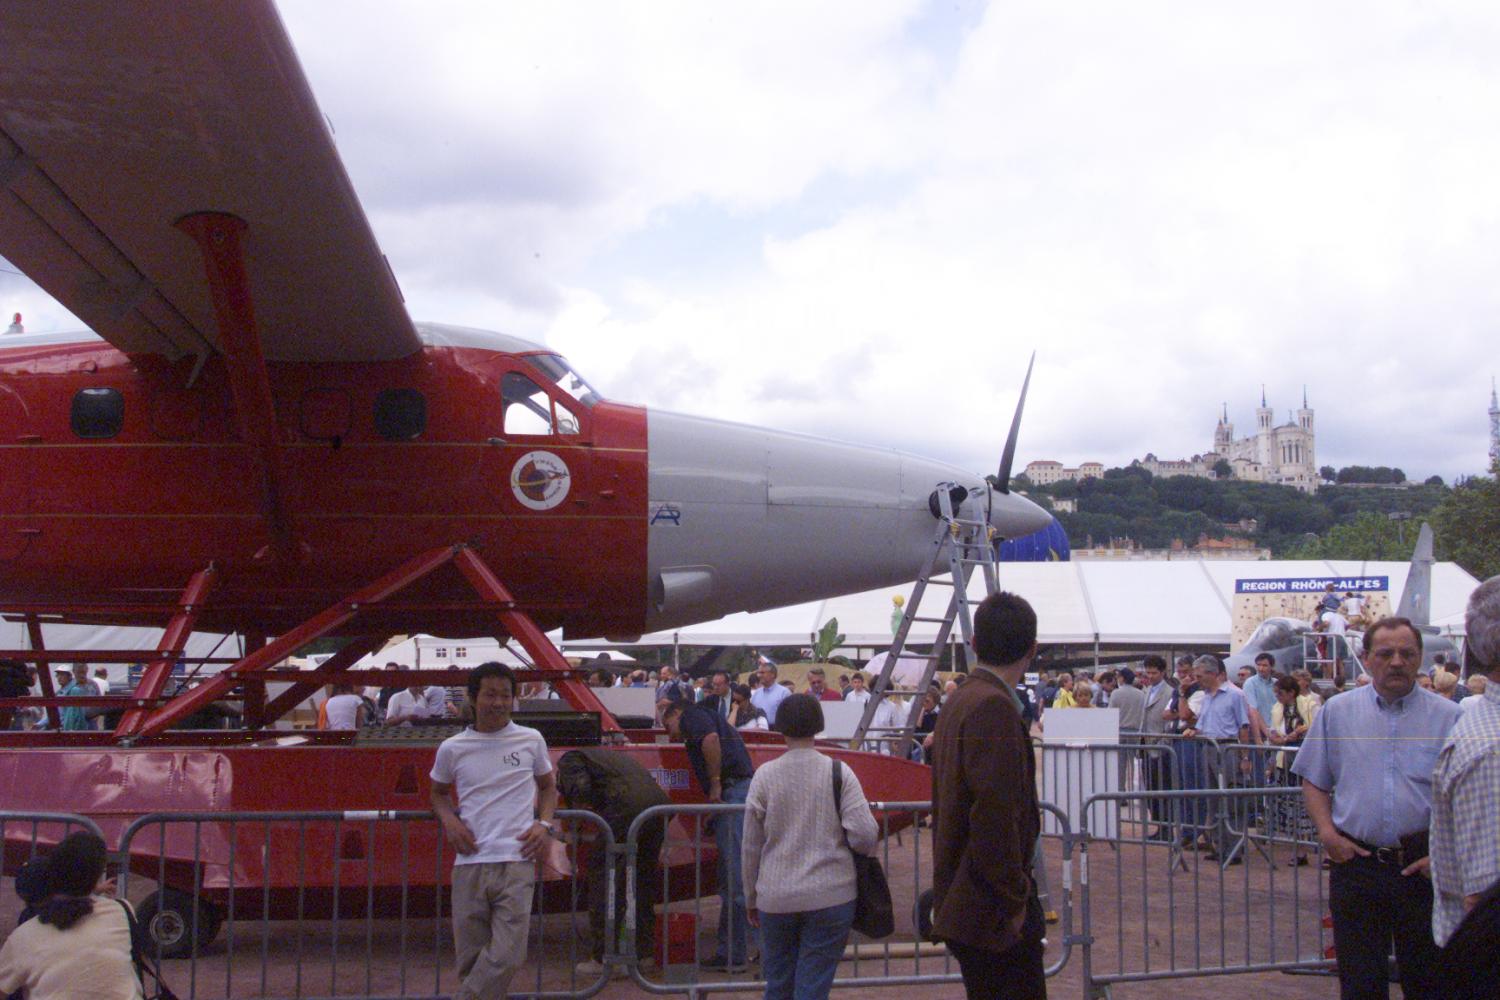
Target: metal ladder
(968, 543)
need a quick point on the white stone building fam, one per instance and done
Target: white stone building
(1283, 453)
(1045, 473)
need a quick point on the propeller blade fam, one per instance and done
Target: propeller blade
(1002, 481)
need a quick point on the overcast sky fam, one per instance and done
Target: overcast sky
(859, 219)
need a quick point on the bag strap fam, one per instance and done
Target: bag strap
(838, 800)
(143, 965)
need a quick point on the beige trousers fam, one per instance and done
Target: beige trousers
(491, 921)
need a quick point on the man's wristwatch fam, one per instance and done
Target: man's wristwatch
(547, 825)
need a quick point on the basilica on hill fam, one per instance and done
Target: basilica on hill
(1275, 453)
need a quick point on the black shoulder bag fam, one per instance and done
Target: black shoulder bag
(874, 916)
(144, 967)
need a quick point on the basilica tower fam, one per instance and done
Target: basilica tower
(1265, 448)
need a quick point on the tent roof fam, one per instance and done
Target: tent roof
(1162, 602)
(1165, 602)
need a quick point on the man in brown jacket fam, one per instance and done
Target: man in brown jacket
(985, 815)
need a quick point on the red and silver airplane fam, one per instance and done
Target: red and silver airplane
(261, 408)
(255, 437)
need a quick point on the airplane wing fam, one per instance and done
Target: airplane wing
(117, 119)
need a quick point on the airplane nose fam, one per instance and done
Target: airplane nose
(1016, 516)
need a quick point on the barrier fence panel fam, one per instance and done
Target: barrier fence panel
(1069, 773)
(25, 836)
(339, 904)
(690, 915)
(1246, 895)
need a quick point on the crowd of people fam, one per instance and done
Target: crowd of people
(1399, 774)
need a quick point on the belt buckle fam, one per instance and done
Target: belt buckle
(1388, 855)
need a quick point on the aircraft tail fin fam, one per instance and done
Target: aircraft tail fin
(1416, 597)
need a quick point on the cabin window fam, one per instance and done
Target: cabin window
(527, 409)
(566, 379)
(98, 413)
(400, 414)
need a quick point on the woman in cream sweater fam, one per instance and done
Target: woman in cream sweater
(78, 944)
(799, 875)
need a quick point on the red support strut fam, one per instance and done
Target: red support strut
(173, 638)
(321, 624)
(308, 682)
(43, 671)
(221, 239)
(519, 625)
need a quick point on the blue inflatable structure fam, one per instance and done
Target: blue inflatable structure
(1048, 545)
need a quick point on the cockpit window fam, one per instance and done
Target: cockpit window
(569, 381)
(1275, 633)
(529, 411)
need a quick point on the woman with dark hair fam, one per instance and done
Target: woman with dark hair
(742, 712)
(799, 875)
(78, 944)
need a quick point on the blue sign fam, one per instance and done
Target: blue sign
(1312, 584)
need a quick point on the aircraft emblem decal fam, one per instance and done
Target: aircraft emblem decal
(666, 513)
(540, 480)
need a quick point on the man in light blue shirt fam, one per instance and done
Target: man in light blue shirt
(768, 694)
(1223, 716)
(1366, 768)
(1260, 691)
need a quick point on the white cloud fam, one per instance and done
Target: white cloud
(812, 216)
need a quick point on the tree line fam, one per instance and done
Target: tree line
(1341, 521)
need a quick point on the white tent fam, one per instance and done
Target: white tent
(1130, 602)
(13, 635)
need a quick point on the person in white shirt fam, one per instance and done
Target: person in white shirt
(889, 714)
(500, 827)
(345, 709)
(857, 691)
(101, 680)
(1354, 606)
(768, 695)
(415, 703)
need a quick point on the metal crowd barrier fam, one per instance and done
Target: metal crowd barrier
(334, 904)
(1153, 910)
(1069, 773)
(905, 958)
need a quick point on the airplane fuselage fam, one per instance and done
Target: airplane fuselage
(121, 476)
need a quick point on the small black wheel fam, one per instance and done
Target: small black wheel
(921, 917)
(167, 918)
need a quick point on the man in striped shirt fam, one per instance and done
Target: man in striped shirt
(1465, 836)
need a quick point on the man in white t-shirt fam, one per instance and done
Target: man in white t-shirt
(416, 702)
(503, 778)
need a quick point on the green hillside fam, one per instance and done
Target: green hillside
(1343, 522)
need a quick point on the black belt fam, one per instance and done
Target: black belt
(1411, 849)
